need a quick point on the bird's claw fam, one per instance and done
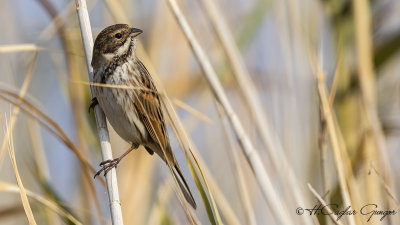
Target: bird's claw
(93, 103)
(107, 166)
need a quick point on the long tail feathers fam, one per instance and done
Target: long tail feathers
(184, 187)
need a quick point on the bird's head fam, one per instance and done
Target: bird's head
(114, 41)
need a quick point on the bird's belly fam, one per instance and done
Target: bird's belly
(121, 114)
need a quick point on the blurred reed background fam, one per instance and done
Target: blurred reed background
(326, 74)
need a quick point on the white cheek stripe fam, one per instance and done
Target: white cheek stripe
(108, 56)
(121, 50)
(124, 48)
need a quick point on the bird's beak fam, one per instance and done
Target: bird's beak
(135, 31)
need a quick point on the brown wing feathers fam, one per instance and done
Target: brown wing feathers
(149, 109)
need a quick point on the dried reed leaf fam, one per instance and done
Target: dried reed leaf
(21, 189)
(192, 110)
(47, 123)
(6, 187)
(16, 109)
(19, 48)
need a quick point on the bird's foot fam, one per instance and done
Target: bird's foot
(93, 104)
(107, 166)
(112, 163)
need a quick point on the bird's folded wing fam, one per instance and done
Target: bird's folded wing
(149, 109)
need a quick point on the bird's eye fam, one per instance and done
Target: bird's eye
(118, 35)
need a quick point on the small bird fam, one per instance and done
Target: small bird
(135, 114)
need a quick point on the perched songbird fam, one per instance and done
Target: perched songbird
(135, 114)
